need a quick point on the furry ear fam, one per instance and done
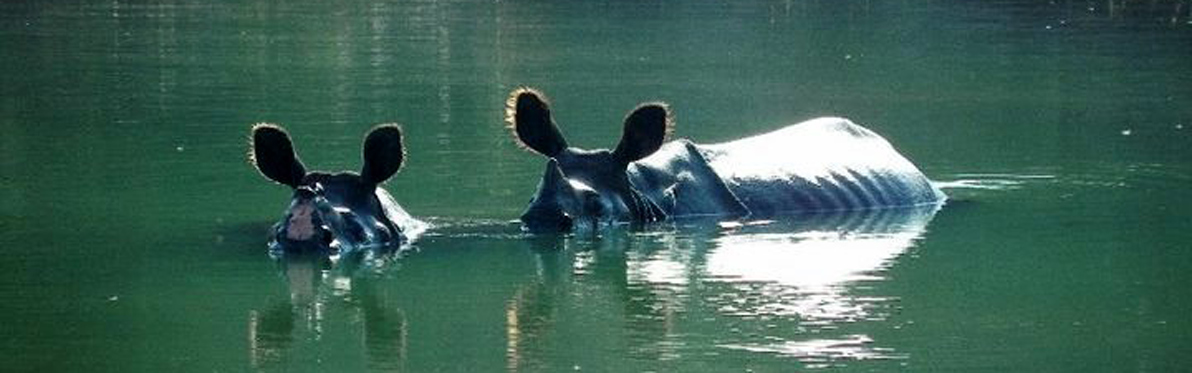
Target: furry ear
(383, 153)
(646, 128)
(527, 114)
(273, 154)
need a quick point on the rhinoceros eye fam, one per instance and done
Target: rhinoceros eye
(592, 203)
(327, 236)
(353, 226)
(382, 232)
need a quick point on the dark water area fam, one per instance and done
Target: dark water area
(135, 228)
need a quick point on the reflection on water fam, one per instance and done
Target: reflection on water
(293, 331)
(787, 287)
(808, 272)
(821, 352)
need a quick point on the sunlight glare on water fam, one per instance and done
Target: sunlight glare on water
(810, 274)
(823, 353)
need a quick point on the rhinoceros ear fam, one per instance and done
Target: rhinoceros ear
(383, 153)
(528, 115)
(645, 129)
(274, 156)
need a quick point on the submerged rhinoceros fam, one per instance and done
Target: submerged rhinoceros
(824, 164)
(332, 213)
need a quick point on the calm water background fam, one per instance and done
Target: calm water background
(134, 229)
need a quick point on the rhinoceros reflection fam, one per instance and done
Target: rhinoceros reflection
(784, 287)
(588, 280)
(814, 261)
(809, 275)
(304, 328)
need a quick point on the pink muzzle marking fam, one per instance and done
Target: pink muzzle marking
(301, 226)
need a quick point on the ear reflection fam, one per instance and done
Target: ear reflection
(320, 299)
(593, 279)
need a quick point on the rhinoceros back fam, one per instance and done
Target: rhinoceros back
(824, 164)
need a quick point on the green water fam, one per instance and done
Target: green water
(134, 228)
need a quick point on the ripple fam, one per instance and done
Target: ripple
(1100, 175)
(993, 181)
(820, 353)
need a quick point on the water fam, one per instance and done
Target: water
(134, 228)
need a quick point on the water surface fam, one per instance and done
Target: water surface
(135, 228)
